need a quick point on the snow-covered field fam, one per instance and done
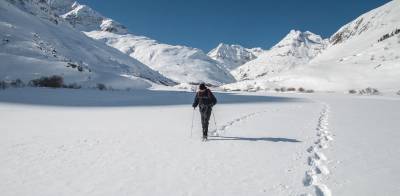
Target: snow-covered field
(87, 142)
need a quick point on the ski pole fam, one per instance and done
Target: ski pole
(191, 129)
(215, 122)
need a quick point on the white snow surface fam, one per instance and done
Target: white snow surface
(354, 59)
(35, 43)
(233, 56)
(86, 142)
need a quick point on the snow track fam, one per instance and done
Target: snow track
(221, 130)
(317, 159)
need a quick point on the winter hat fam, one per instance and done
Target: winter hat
(202, 86)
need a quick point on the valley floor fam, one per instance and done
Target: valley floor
(87, 142)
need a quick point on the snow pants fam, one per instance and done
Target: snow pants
(205, 112)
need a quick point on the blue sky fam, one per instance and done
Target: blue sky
(251, 23)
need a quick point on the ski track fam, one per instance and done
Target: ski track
(220, 130)
(317, 159)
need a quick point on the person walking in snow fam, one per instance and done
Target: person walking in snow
(205, 100)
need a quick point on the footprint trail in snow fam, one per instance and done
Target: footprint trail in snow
(317, 159)
(220, 130)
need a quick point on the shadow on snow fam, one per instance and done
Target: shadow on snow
(96, 98)
(253, 139)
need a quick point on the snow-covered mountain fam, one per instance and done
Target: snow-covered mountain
(363, 53)
(36, 42)
(233, 56)
(296, 48)
(44, 37)
(179, 63)
(84, 18)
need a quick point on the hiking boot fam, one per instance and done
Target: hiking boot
(205, 132)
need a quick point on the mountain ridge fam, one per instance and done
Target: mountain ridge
(36, 42)
(180, 63)
(355, 58)
(296, 48)
(232, 56)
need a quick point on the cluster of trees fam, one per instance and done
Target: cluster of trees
(366, 91)
(54, 81)
(18, 83)
(292, 89)
(45, 81)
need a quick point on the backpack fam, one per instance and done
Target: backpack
(206, 98)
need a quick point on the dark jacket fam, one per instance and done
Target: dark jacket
(204, 98)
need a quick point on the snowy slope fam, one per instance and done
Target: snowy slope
(84, 18)
(35, 42)
(296, 48)
(233, 56)
(355, 57)
(180, 63)
(363, 53)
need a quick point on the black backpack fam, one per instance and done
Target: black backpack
(205, 98)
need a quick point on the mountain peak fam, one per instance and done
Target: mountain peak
(179, 63)
(232, 55)
(296, 38)
(51, 47)
(224, 46)
(220, 45)
(84, 18)
(294, 32)
(294, 49)
(61, 6)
